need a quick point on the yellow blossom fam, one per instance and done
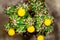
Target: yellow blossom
(21, 12)
(40, 37)
(11, 32)
(31, 29)
(47, 22)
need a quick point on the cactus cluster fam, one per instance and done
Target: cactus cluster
(32, 15)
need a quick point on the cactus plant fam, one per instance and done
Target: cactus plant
(23, 16)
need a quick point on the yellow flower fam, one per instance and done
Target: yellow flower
(11, 32)
(40, 37)
(31, 29)
(21, 12)
(47, 22)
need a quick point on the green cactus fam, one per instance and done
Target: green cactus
(36, 13)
